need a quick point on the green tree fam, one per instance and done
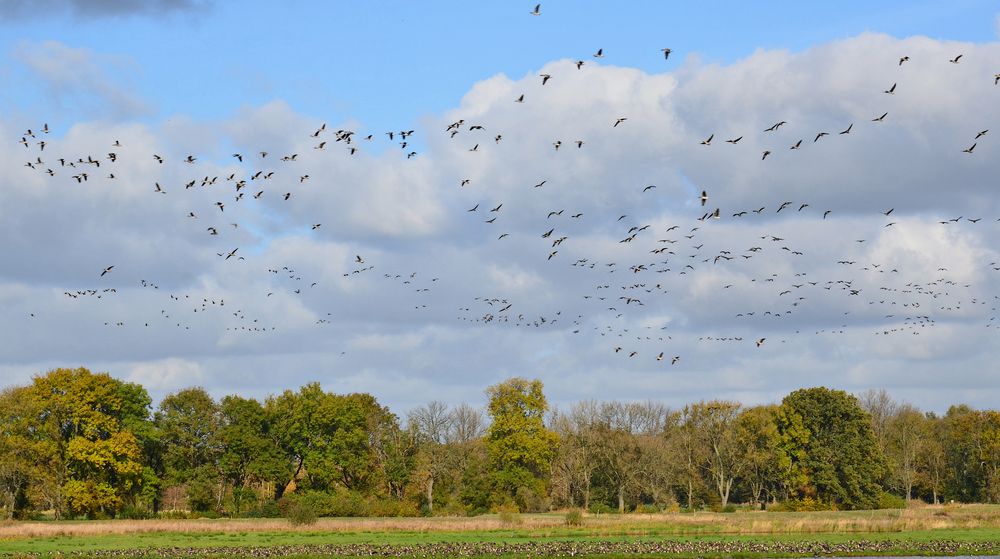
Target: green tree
(94, 460)
(905, 436)
(519, 446)
(247, 452)
(333, 440)
(764, 458)
(840, 459)
(18, 464)
(188, 423)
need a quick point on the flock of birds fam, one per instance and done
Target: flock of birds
(611, 291)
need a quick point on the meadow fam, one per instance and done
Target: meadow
(932, 530)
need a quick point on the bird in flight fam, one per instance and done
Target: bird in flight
(106, 270)
(708, 141)
(956, 59)
(891, 90)
(666, 53)
(537, 11)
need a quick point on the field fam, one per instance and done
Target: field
(973, 529)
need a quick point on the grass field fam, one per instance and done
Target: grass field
(973, 529)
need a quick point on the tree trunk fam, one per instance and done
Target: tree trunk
(690, 494)
(586, 494)
(430, 495)
(621, 499)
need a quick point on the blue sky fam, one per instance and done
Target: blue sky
(387, 64)
(871, 275)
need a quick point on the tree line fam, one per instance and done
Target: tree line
(86, 445)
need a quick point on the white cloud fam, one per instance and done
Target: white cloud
(77, 78)
(167, 375)
(413, 320)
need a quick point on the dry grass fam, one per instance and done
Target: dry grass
(745, 523)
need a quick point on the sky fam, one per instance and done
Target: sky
(369, 265)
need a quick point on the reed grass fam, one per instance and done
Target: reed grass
(929, 518)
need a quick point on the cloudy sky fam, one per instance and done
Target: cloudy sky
(428, 265)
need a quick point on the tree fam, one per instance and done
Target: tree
(904, 438)
(94, 461)
(519, 446)
(932, 461)
(577, 458)
(247, 451)
(687, 446)
(431, 423)
(764, 458)
(715, 424)
(841, 459)
(332, 439)
(188, 421)
(18, 467)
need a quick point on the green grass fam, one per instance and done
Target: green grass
(64, 544)
(973, 529)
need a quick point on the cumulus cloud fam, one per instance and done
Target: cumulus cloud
(432, 276)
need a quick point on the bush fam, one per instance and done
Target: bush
(728, 508)
(134, 513)
(646, 509)
(574, 517)
(302, 513)
(805, 504)
(509, 515)
(601, 508)
(887, 500)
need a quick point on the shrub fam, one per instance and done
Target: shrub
(728, 508)
(805, 504)
(601, 508)
(302, 513)
(574, 517)
(509, 515)
(134, 513)
(647, 509)
(887, 500)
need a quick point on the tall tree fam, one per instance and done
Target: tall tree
(188, 421)
(519, 446)
(905, 433)
(95, 461)
(715, 423)
(247, 451)
(841, 457)
(764, 458)
(19, 469)
(431, 423)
